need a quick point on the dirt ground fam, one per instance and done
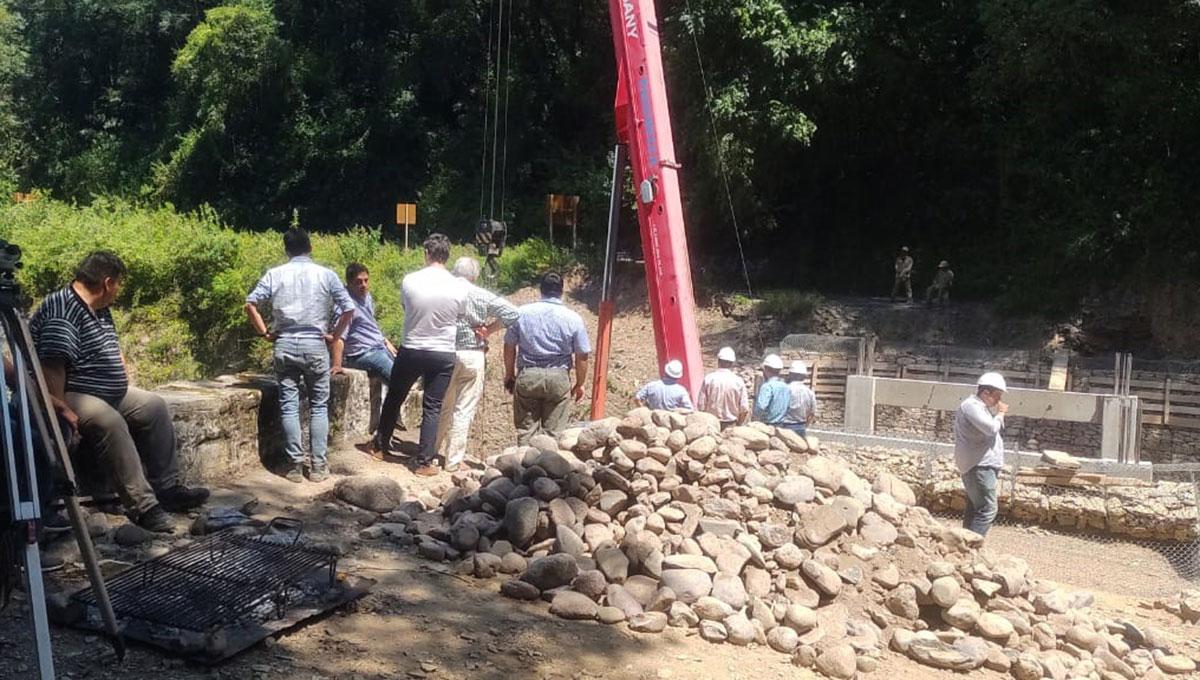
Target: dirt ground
(420, 620)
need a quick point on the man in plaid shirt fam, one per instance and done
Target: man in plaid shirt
(485, 313)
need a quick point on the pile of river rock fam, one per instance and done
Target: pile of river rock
(753, 536)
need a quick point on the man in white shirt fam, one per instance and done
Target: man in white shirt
(802, 406)
(979, 449)
(723, 393)
(433, 300)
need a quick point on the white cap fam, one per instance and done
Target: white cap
(674, 369)
(798, 368)
(726, 354)
(993, 380)
(773, 361)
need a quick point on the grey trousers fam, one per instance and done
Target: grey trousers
(134, 443)
(541, 402)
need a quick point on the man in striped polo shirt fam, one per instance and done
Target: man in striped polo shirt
(128, 429)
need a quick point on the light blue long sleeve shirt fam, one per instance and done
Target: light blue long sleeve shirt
(771, 405)
(665, 394)
(303, 295)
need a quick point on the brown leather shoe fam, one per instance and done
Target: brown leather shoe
(371, 450)
(427, 471)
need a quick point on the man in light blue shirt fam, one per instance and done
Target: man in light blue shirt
(303, 296)
(771, 404)
(539, 352)
(979, 449)
(363, 345)
(667, 393)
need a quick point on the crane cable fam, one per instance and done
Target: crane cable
(487, 86)
(502, 43)
(712, 122)
(507, 79)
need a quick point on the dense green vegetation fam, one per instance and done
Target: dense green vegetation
(180, 313)
(1048, 148)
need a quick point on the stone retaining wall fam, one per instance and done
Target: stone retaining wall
(224, 425)
(1164, 511)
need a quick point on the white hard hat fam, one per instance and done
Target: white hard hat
(674, 369)
(726, 354)
(798, 368)
(773, 361)
(993, 380)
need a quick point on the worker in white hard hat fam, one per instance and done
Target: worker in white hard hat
(802, 405)
(771, 405)
(723, 392)
(903, 280)
(666, 393)
(939, 292)
(979, 449)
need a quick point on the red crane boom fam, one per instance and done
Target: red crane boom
(644, 130)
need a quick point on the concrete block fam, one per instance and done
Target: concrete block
(860, 403)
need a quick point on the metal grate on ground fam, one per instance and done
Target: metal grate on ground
(212, 582)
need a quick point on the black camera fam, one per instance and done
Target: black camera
(10, 262)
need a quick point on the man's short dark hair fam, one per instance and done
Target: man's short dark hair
(100, 265)
(354, 269)
(296, 242)
(437, 247)
(551, 285)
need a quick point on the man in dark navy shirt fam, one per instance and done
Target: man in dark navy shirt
(129, 429)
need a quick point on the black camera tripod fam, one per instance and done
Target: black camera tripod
(29, 412)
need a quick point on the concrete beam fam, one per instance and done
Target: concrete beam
(1076, 407)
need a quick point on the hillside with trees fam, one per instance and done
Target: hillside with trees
(1050, 149)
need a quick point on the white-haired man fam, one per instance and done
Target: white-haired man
(485, 313)
(802, 406)
(666, 393)
(979, 449)
(723, 392)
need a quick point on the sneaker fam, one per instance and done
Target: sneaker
(452, 467)
(318, 475)
(180, 498)
(295, 475)
(426, 470)
(157, 520)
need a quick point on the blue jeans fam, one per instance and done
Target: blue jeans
(376, 362)
(798, 428)
(304, 359)
(980, 485)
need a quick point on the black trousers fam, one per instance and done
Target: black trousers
(434, 368)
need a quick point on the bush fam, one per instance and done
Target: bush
(180, 313)
(789, 305)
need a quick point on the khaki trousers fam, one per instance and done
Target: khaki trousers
(541, 402)
(459, 405)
